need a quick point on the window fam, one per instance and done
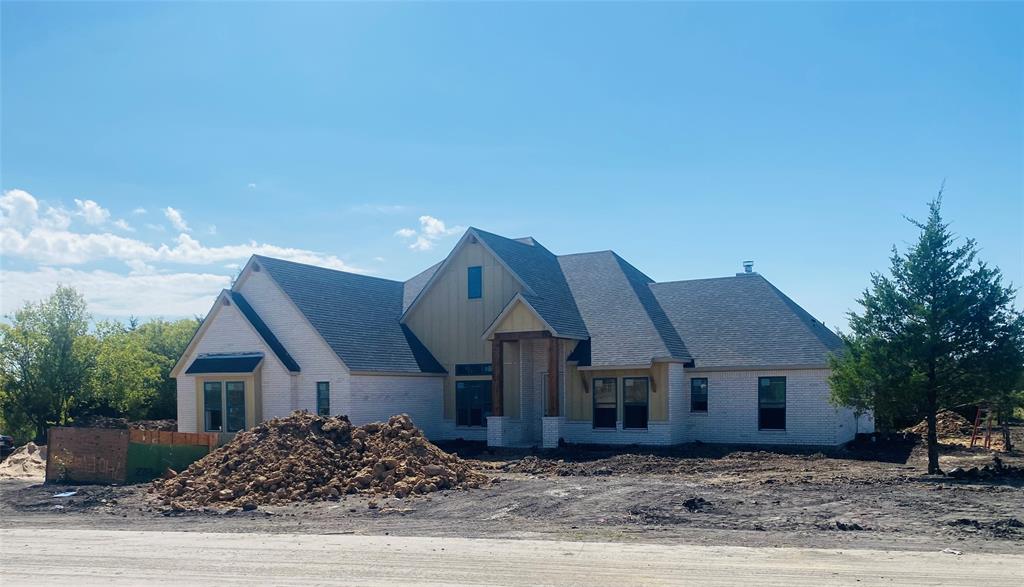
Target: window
(472, 403)
(473, 369)
(475, 288)
(323, 398)
(234, 392)
(635, 391)
(605, 402)
(213, 409)
(699, 394)
(771, 403)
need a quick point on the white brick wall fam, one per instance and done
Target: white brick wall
(378, 397)
(230, 332)
(732, 409)
(317, 362)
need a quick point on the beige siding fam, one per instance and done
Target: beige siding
(520, 319)
(579, 401)
(450, 324)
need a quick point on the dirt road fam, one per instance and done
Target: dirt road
(81, 557)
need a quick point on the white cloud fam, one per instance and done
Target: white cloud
(139, 211)
(176, 219)
(431, 230)
(252, 186)
(123, 225)
(20, 210)
(212, 229)
(92, 212)
(156, 227)
(111, 294)
(24, 235)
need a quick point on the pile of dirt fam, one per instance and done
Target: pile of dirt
(947, 424)
(304, 457)
(166, 425)
(27, 462)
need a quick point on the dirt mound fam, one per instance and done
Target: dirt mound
(947, 424)
(27, 462)
(167, 425)
(304, 457)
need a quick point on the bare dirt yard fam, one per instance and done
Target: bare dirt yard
(873, 496)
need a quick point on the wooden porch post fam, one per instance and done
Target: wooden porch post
(553, 377)
(497, 378)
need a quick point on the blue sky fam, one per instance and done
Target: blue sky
(147, 149)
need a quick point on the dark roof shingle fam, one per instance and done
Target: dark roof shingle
(744, 321)
(357, 315)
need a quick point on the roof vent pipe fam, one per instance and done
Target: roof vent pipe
(748, 266)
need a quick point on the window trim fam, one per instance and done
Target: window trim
(479, 282)
(647, 402)
(593, 403)
(785, 401)
(326, 387)
(706, 395)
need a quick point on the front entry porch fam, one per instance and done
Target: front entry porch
(537, 365)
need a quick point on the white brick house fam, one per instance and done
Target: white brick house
(508, 343)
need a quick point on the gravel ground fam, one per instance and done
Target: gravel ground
(874, 497)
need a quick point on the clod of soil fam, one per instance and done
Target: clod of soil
(27, 462)
(947, 423)
(304, 457)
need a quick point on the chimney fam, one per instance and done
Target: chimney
(748, 269)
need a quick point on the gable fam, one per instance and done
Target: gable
(519, 318)
(446, 320)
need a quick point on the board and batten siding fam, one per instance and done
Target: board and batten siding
(230, 332)
(520, 319)
(450, 324)
(317, 361)
(579, 404)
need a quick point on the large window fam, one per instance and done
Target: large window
(635, 393)
(223, 406)
(605, 402)
(472, 403)
(475, 289)
(771, 403)
(323, 398)
(699, 394)
(235, 396)
(213, 408)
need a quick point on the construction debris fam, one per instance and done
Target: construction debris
(27, 462)
(304, 457)
(947, 424)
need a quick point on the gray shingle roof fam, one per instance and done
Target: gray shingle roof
(540, 270)
(415, 285)
(743, 321)
(626, 324)
(357, 315)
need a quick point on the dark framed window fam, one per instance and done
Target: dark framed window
(473, 369)
(475, 289)
(635, 397)
(771, 403)
(323, 398)
(606, 402)
(699, 394)
(472, 403)
(234, 394)
(213, 408)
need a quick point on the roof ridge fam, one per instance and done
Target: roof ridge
(745, 276)
(321, 267)
(588, 253)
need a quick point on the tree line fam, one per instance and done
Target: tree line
(57, 367)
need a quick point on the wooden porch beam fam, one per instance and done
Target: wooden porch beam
(497, 378)
(522, 335)
(552, 377)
